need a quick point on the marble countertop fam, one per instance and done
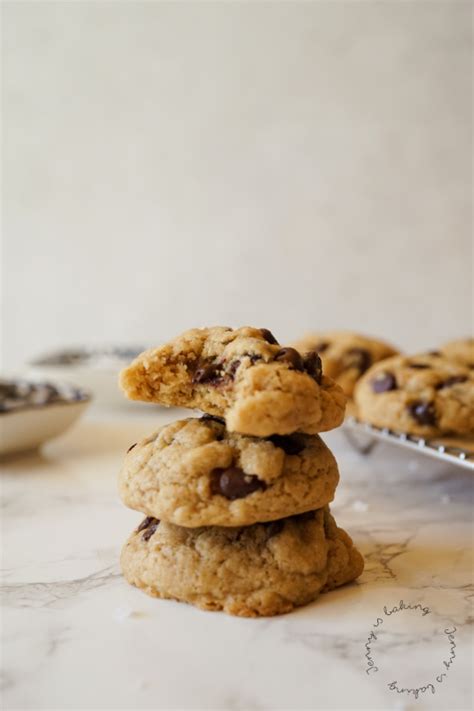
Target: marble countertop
(76, 636)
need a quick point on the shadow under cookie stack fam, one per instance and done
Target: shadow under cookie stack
(237, 500)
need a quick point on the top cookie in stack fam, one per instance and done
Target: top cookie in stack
(241, 375)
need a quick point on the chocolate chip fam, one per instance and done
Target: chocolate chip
(453, 380)
(145, 523)
(290, 444)
(322, 346)
(234, 483)
(149, 525)
(214, 418)
(269, 337)
(419, 366)
(384, 382)
(131, 447)
(313, 366)
(359, 358)
(423, 412)
(290, 356)
(434, 353)
(208, 373)
(150, 531)
(232, 368)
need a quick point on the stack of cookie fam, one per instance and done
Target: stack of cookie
(236, 501)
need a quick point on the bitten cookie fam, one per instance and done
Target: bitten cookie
(345, 356)
(195, 473)
(264, 569)
(423, 395)
(460, 351)
(242, 375)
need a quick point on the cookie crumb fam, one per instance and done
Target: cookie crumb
(124, 613)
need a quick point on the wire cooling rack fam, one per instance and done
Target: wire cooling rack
(364, 437)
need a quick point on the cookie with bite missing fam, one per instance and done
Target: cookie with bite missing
(194, 472)
(242, 375)
(423, 395)
(259, 570)
(345, 355)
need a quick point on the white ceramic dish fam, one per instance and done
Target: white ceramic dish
(26, 428)
(97, 372)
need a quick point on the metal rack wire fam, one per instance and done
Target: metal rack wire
(364, 437)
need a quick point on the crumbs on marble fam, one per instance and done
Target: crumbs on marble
(125, 613)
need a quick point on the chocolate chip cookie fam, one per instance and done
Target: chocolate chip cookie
(194, 473)
(422, 395)
(461, 351)
(345, 356)
(242, 375)
(264, 569)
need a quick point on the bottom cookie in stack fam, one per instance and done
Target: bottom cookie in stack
(264, 569)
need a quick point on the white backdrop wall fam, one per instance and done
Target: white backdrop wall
(293, 165)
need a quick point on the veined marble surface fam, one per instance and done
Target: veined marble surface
(75, 635)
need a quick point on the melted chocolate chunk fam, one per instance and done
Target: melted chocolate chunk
(453, 380)
(150, 531)
(145, 523)
(313, 366)
(208, 373)
(214, 418)
(434, 353)
(269, 337)
(131, 447)
(232, 368)
(234, 483)
(383, 383)
(290, 444)
(292, 357)
(359, 358)
(419, 366)
(423, 412)
(149, 525)
(322, 346)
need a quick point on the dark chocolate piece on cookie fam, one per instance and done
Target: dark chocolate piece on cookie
(234, 483)
(269, 337)
(292, 357)
(360, 358)
(149, 526)
(313, 365)
(453, 380)
(384, 382)
(290, 444)
(423, 412)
